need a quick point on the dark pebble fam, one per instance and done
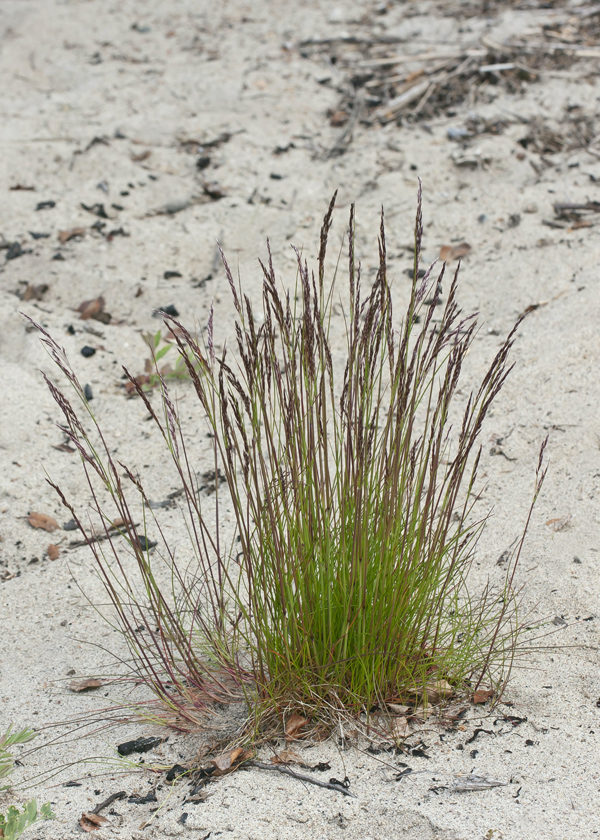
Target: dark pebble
(87, 351)
(15, 251)
(145, 545)
(170, 310)
(88, 393)
(45, 205)
(169, 274)
(58, 256)
(38, 235)
(71, 525)
(203, 161)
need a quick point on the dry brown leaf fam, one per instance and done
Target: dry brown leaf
(90, 822)
(66, 235)
(142, 156)
(454, 252)
(35, 292)
(563, 523)
(42, 520)
(438, 690)
(286, 757)
(339, 118)
(400, 728)
(293, 726)
(422, 712)
(53, 551)
(454, 712)
(395, 709)
(85, 685)
(227, 761)
(482, 695)
(91, 308)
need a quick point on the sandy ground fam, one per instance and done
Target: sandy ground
(113, 104)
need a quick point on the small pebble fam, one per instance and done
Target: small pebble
(88, 393)
(87, 351)
(530, 208)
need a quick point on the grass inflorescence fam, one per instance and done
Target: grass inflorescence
(353, 497)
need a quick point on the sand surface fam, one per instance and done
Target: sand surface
(113, 104)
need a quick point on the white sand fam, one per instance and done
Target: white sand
(77, 70)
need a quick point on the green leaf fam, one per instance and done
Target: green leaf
(160, 353)
(14, 823)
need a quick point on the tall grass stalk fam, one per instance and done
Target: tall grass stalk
(353, 497)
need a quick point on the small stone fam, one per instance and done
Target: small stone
(87, 351)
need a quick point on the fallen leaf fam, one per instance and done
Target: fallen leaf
(561, 524)
(85, 685)
(438, 690)
(339, 118)
(64, 447)
(286, 757)
(453, 713)
(91, 308)
(90, 822)
(35, 292)
(454, 252)
(227, 761)
(482, 695)
(42, 520)
(66, 235)
(213, 190)
(53, 551)
(293, 726)
(400, 727)
(395, 709)
(422, 712)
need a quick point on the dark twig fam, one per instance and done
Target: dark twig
(108, 801)
(282, 768)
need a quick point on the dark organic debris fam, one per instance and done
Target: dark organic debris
(175, 772)
(139, 745)
(477, 732)
(168, 275)
(45, 205)
(95, 209)
(136, 799)
(333, 784)
(15, 250)
(108, 801)
(144, 543)
(171, 309)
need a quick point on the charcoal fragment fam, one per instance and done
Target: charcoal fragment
(139, 745)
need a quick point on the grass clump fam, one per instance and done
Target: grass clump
(353, 499)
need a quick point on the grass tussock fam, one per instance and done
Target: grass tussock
(353, 498)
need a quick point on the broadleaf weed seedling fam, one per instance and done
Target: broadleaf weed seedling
(353, 497)
(14, 822)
